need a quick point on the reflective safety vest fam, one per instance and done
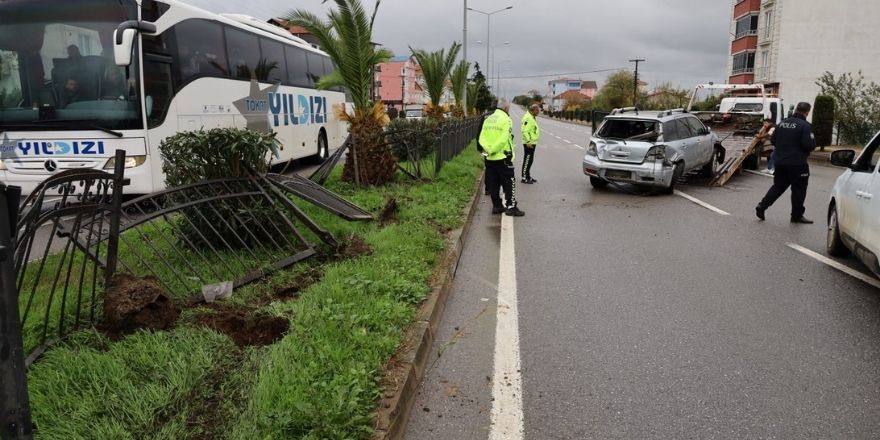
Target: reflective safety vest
(531, 133)
(496, 137)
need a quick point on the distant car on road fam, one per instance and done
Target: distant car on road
(650, 148)
(854, 210)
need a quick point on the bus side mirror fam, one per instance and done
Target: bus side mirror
(123, 46)
(123, 39)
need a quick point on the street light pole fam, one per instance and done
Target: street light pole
(489, 33)
(464, 44)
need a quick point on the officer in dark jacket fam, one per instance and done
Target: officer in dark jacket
(793, 141)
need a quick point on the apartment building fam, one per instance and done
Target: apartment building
(788, 44)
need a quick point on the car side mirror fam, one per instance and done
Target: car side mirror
(843, 158)
(123, 48)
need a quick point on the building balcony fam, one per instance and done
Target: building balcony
(743, 7)
(749, 42)
(741, 78)
(742, 71)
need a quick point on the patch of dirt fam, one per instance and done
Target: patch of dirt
(303, 280)
(133, 303)
(388, 216)
(244, 327)
(355, 246)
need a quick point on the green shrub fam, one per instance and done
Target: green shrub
(823, 120)
(419, 134)
(196, 156)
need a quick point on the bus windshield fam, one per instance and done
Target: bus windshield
(57, 69)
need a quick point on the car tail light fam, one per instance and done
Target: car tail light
(657, 152)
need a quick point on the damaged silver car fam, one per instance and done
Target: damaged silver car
(650, 148)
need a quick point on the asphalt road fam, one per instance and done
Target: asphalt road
(644, 317)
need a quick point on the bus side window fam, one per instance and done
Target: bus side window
(200, 50)
(272, 67)
(316, 68)
(243, 50)
(297, 66)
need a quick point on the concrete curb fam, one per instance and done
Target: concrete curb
(407, 368)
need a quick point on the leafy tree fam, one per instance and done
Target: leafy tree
(665, 97)
(458, 83)
(823, 120)
(436, 68)
(484, 99)
(346, 36)
(857, 105)
(617, 92)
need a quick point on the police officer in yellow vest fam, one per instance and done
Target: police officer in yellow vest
(496, 139)
(531, 133)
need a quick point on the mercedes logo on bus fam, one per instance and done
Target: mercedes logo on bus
(51, 166)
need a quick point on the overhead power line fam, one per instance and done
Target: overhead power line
(562, 73)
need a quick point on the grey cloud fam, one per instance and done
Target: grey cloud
(684, 41)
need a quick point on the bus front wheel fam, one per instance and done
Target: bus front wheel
(323, 148)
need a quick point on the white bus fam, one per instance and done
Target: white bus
(81, 79)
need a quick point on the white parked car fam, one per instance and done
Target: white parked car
(854, 211)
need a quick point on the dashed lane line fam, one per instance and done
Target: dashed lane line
(576, 145)
(701, 203)
(566, 141)
(507, 407)
(845, 269)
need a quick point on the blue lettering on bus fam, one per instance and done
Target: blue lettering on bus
(290, 109)
(47, 148)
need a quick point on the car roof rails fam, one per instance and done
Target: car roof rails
(619, 111)
(670, 112)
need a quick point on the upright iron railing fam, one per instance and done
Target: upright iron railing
(15, 414)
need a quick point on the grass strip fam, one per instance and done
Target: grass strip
(319, 382)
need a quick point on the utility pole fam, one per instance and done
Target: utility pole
(636, 81)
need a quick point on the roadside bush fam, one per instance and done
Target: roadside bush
(196, 156)
(857, 105)
(823, 120)
(419, 134)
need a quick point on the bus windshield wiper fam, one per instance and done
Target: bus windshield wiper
(91, 125)
(106, 130)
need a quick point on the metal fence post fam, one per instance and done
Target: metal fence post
(15, 413)
(116, 214)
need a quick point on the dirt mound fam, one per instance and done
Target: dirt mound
(355, 246)
(388, 216)
(133, 303)
(245, 328)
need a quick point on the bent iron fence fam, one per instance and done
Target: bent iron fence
(59, 256)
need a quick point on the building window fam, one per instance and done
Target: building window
(764, 69)
(768, 24)
(746, 26)
(743, 62)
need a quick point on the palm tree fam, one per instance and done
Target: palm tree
(346, 37)
(458, 81)
(436, 67)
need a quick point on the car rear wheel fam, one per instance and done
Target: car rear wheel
(598, 183)
(834, 245)
(677, 172)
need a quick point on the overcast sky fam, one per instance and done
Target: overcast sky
(684, 41)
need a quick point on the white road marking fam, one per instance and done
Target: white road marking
(566, 141)
(576, 145)
(701, 203)
(847, 270)
(507, 412)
